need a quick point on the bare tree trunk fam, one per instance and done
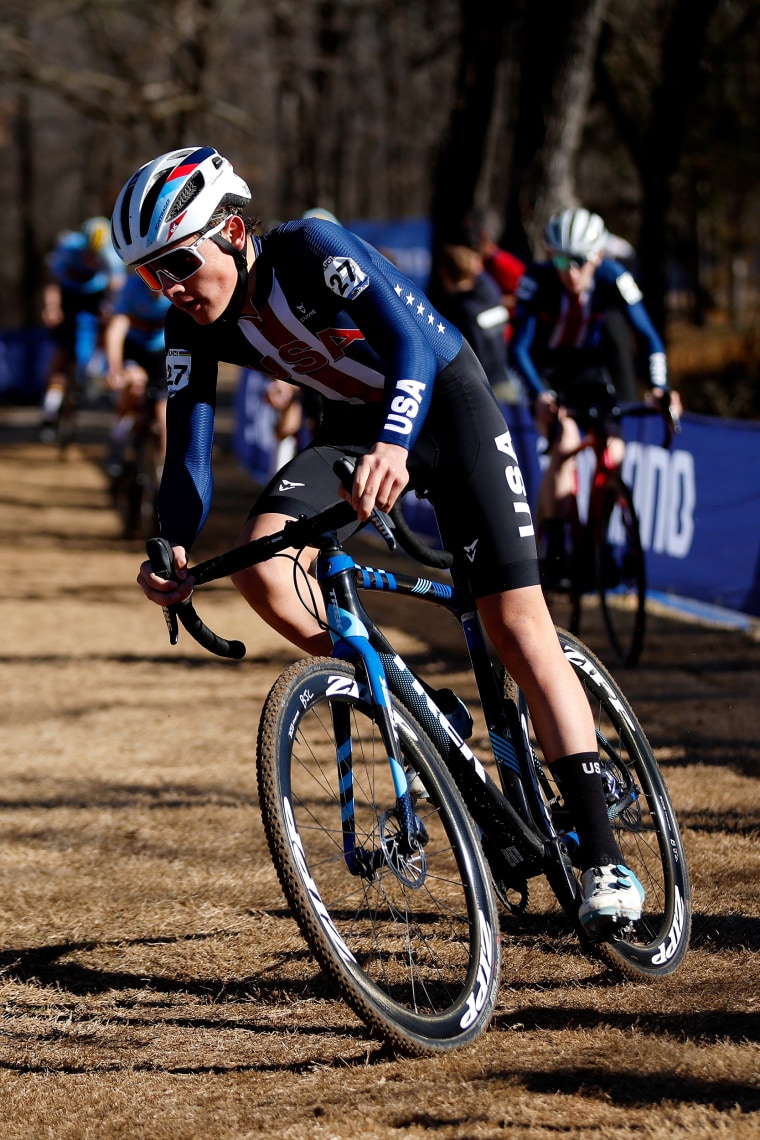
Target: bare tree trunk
(680, 82)
(558, 49)
(29, 276)
(30, 261)
(462, 155)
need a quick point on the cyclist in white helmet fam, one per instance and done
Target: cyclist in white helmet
(560, 353)
(311, 303)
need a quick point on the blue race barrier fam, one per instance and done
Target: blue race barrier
(24, 360)
(699, 508)
(406, 242)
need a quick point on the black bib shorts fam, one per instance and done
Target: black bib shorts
(463, 461)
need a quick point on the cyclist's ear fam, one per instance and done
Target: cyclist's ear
(234, 231)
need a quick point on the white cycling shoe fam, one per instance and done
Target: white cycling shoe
(612, 896)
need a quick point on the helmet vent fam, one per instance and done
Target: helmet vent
(187, 194)
(126, 203)
(149, 204)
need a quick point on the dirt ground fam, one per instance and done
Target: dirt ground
(152, 982)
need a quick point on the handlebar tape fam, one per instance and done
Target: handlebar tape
(413, 545)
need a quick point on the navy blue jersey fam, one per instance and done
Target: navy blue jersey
(480, 314)
(549, 335)
(329, 313)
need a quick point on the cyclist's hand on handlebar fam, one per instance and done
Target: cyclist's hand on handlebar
(379, 479)
(667, 398)
(167, 592)
(669, 403)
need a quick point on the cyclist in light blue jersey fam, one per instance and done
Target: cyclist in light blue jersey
(84, 274)
(311, 303)
(136, 364)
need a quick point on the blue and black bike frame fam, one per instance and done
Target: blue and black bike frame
(514, 820)
(518, 834)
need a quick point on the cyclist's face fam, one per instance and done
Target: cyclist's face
(205, 294)
(579, 280)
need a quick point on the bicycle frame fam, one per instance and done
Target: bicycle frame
(515, 818)
(523, 828)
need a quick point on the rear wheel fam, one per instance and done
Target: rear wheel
(643, 822)
(135, 489)
(408, 933)
(621, 572)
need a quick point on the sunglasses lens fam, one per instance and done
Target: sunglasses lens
(565, 263)
(177, 264)
(148, 276)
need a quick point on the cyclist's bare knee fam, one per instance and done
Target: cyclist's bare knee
(520, 626)
(280, 594)
(267, 577)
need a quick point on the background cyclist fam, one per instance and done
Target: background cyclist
(403, 392)
(471, 300)
(136, 365)
(561, 353)
(84, 274)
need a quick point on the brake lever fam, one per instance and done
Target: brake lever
(675, 420)
(162, 565)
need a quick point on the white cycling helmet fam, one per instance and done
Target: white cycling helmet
(575, 233)
(173, 197)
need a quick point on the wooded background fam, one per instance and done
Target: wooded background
(644, 110)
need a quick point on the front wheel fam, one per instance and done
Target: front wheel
(407, 931)
(643, 822)
(621, 572)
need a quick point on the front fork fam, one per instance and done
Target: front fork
(351, 643)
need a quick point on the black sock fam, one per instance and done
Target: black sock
(579, 779)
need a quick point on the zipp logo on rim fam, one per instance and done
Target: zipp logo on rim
(477, 1000)
(668, 948)
(341, 686)
(575, 657)
(303, 870)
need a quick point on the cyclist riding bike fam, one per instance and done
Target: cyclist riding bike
(559, 352)
(84, 276)
(312, 303)
(136, 364)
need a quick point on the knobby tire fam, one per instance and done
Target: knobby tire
(416, 954)
(621, 573)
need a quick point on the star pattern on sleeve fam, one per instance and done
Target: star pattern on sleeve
(421, 308)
